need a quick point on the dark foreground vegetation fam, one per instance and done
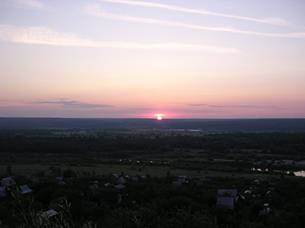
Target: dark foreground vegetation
(151, 179)
(89, 200)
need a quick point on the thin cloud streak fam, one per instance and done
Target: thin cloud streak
(28, 4)
(269, 20)
(96, 11)
(73, 104)
(46, 36)
(234, 106)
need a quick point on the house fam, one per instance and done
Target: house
(107, 185)
(226, 198)
(265, 211)
(49, 213)
(7, 181)
(25, 189)
(181, 180)
(121, 180)
(2, 192)
(225, 202)
(227, 192)
(60, 180)
(120, 186)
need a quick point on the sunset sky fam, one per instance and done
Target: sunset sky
(132, 58)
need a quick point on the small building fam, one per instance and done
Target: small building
(225, 202)
(7, 181)
(226, 198)
(121, 180)
(107, 185)
(25, 189)
(120, 186)
(60, 180)
(2, 192)
(49, 213)
(181, 180)
(227, 192)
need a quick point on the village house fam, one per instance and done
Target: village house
(60, 180)
(49, 213)
(7, 181)
(226, 198)
(181, 180)
(121, 180)
(2, 192)
(120, 186)
(25, 189)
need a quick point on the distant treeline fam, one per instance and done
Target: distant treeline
(271, 143)
(206, 125)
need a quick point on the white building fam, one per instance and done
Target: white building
(25, 189)
(7, 181)
(49, 213)
(226, 198)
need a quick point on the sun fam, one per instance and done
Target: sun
(159, 116)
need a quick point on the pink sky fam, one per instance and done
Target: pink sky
(126, 58)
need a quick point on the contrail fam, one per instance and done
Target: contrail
(269, 20)
(94, 10)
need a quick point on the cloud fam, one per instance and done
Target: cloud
(47, 36)
(73, 104)
(28, 4)
(95, 10)
(234, 106)
(269, 20)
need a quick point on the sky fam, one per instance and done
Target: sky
(134, 58)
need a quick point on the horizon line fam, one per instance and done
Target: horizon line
(146, 118)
